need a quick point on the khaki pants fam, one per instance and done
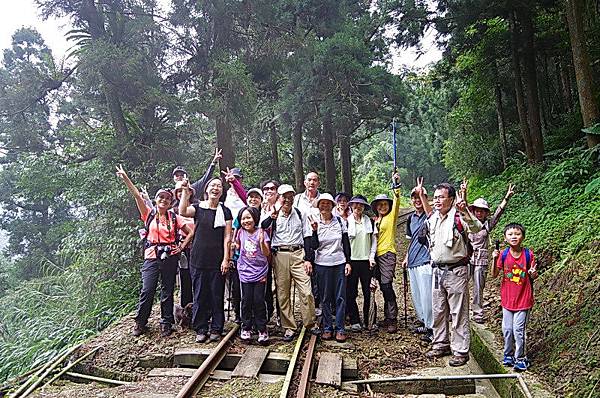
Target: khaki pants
(479, 273)
(288, 267)
(450, 298)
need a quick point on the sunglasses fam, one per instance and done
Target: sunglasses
(269, 188)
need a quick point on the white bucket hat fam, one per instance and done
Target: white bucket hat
(325, 196)
(480, 203)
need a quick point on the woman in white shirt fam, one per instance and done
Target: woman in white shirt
(332, 265)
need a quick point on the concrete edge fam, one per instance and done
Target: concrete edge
(488, 357)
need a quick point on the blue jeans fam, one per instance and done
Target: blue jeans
(209, 289)
(332, 289)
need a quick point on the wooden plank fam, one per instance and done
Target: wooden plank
(330, 369)
(222, 375)
(349, 368)
(251, 362)
(276, 362)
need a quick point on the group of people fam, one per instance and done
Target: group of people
(323, 246)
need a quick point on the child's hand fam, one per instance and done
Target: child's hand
(495, 253)
(533, 273)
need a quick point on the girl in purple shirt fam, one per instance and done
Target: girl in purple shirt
(252, 267)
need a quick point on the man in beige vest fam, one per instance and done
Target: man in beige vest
(448, 227)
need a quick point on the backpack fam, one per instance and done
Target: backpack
(527, 257)
(463, 233)
(151, 217)
(527, 260)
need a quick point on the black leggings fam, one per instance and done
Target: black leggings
(254, 307)
(360, 272)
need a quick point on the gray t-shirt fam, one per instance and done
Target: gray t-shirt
(418, 254)
(290, 230)
(330, 251)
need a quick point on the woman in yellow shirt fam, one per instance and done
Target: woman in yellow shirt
(386, 212)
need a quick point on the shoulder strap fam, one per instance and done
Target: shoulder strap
(299, 213)
(527, 258)
(504, 255)
(408, 220)
(458, 224)
(149, 219)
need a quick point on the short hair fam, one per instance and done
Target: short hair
(274, 182)
(254, 213)
(514, 225)
(448, 187)
(312, 172)
(211, 180)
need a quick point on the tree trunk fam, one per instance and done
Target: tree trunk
(274, 152)
(346, 161)
(327, 136)
(298, 157)
(501, 124)
(565, 84)
(531, 86)
(519, 96)
(583, 73)
(225, 141)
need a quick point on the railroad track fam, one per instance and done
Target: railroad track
(298, 368)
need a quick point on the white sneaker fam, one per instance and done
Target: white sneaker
(263, 337)
(245, 335)
(318, 311)
(356, 327)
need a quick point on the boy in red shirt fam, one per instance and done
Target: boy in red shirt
(518, 270)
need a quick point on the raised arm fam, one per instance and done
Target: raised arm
(424, 200)
(201, 183)
(184, 204)
(500, 210)
(139, 200)
(237, 185)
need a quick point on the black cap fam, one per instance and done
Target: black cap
(179, 169)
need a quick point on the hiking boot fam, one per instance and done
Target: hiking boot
(315, 330)
(327, 335)
(428, 336)
(263, 337)
(245, 335)
(340, 337)
(288, 335)
(201, 337)
(521, 365)
(166, 330)
(437, 353)
(420, 330)
(139, 329)
(458, 360)
(357, 328)
(214, 337)
(508, 360)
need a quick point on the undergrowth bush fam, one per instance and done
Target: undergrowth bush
(559, 205)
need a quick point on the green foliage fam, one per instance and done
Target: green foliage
(559, 205)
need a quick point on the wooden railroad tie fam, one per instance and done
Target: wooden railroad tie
(251, 362)
(329, 370)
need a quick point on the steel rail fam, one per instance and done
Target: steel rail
(307, 367)
(290, 371)
(211, 362)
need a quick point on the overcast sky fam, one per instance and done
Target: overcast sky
(17, 13)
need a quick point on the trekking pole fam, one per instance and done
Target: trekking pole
(277, 309)
(405, 278)
(394, 147)
(230, 285)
